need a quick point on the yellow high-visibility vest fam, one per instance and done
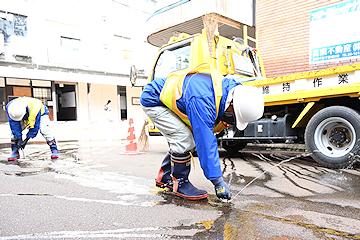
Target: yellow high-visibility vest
(172, 90)
(34, 105)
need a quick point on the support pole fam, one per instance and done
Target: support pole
(54, 98)
(210, 22)
(88, 101)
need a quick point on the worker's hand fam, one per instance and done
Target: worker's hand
(221, 188)
(22, 145)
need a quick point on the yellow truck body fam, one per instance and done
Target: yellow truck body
(319, 109)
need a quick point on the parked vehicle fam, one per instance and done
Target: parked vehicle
(319, 109)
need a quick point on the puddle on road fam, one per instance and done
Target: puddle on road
(240, 220)
(246, 221)
(301, 177)
(237, 221)
(78, 162)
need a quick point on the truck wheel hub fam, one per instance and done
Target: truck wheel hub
(339, 137)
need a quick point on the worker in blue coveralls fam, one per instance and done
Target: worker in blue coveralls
(185, 108)
(31, 113)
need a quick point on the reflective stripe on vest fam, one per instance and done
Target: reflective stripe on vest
(172, 90)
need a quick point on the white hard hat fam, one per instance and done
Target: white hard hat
(17, 109)
(248, 103)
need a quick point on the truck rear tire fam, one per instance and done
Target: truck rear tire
(233, 146)
(332, 136)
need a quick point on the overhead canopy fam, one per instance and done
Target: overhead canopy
(187, 18)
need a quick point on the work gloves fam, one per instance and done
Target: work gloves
(19, 142)
(22, 143)
(221, 188)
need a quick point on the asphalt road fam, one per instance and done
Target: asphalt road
(93, 191)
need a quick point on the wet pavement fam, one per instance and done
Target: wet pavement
(93, 191)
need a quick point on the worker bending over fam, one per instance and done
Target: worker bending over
(185, 108)
(31, 113)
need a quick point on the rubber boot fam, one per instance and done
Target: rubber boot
(182, 187)
(54, 149)
(164, 178)
(14, 151)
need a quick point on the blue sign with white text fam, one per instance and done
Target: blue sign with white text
(336, 52)
(334, 35)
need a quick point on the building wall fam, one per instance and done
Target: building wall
(133, 107)
(103, 37)
(94, 42)
(99, 96)
(83, 109)
(283, 36)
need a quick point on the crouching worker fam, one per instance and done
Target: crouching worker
(31, 113)
(185, 107)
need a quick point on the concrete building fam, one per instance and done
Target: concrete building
(301, 36)
(235, 18)
(75, 55)
(292, 36)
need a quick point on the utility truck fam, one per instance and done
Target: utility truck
(319, 109)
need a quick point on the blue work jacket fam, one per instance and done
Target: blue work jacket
(198, 103)
(35, 109)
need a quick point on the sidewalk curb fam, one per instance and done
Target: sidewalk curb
(75, 130)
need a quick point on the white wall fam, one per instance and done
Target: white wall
(82, 104)
(99, 95)
(134, 111)
(94, 22)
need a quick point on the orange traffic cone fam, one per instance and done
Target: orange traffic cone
(131, 146)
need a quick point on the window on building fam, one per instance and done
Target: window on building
(12, 24)
(20, 25)
(42, 94)
(70, 44)
(123, 105)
